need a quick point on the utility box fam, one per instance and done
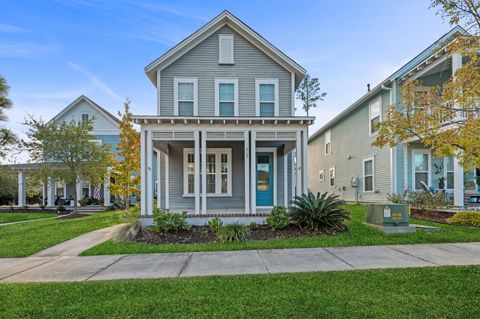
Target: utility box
(390, 218)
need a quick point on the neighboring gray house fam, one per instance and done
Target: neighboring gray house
(224, 134)
(341, 155)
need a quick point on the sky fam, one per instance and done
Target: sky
(51, 51)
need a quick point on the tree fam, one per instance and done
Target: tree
(309, 93)
(7, 137)
(446, 118)
(68, 152)
(126, 165)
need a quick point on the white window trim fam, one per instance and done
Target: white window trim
(230, 38)
(219, 81)
(176, 81)
(321, 175)
(334, 177)
(371, 158)
(445, 174)
(218, 174)
(429, 179)
(59, 185)
(257, 95)
(329, 134)
(377, 99)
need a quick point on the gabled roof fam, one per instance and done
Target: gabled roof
(399, 74)
(224, 18)
(97, 107)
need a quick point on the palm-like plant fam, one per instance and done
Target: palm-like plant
(318, 211)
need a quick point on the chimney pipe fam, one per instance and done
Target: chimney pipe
(368, 87)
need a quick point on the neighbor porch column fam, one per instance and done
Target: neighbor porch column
(298, 163)
(458, 184)
(305, 161)
(196, 179)
(167, 182)
(143, 169)
(149, 172)
(246, 159)
(50, 192)
(203, 153)
(253, 172)
(285, 178)
(22, 197)
(106, 190)
(79, 187)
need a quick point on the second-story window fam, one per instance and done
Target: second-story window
(185, 94)
(85, 119)
(267, 97)
(374, 109)
(226, 97)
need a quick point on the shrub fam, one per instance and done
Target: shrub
(215, 224)
(402, 198)
(320, 211)
(235, 232)
(84, 201)
(164, 222)
(278, 218)
(254, 225)
(61, 208)
(465, 218)
(425, 200)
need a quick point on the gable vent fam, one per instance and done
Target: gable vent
(225, 49)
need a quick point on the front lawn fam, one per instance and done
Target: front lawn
(16, 217)
(24, 239)
(359, 235)
(445, 292)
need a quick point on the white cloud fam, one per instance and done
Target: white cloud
(27, 50)
(8, 28)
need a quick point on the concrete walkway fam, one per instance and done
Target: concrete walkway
(27, 221)
(71, 268)
(77, 245)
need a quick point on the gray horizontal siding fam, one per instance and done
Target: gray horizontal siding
(202, 62)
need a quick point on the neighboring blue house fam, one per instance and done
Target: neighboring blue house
(106, 131)
(342, 160)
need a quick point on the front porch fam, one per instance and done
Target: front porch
(221, 167)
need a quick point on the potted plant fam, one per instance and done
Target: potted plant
(441, 183)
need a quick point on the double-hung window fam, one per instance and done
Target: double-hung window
(218, 173)
(60, 189)
(86, 189)
(375, 116)
(421, 168)
(185, 97)
(226, 97)
(449, 171)
(328, 142)
(266, 97)
(321, 175)
(85, 119)
(368, 174)
(331, 177)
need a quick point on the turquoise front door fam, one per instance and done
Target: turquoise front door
(264, 179)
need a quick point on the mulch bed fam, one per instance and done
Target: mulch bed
(431, 216)
(202, 234)
(67, 216)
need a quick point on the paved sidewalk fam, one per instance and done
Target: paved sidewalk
(27, 221)
(77, 245)
(71, 268)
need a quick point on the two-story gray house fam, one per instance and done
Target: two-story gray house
(342, 159)
(224, 137)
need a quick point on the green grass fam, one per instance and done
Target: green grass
(16, 217)
(19, 240)
(359, 235)
(445, 292)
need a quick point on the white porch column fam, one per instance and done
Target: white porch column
(22, 197)
(305, 161)
(285, 179)
(167, 183)
(44, 193)
(50, 192)
(143, 174)
(246, 159)
(106, 190)
(203, 153)
(458, 184)
(149, 172)
(159, 179)
(253, 172)
(196, 179)
(298, 163)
